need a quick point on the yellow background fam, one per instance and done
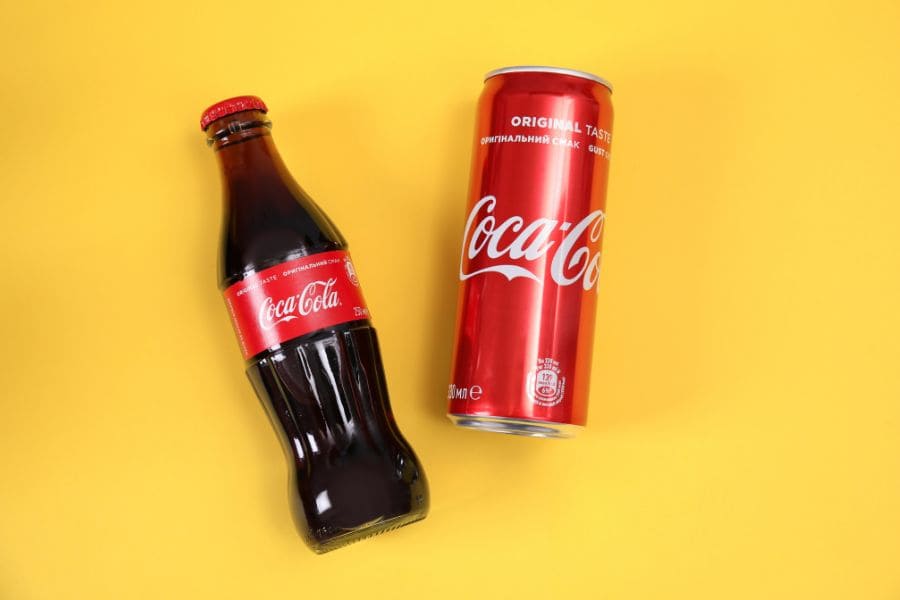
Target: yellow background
(744, 435)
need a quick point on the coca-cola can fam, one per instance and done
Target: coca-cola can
(531, 249)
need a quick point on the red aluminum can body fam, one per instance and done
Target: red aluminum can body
(530, 257)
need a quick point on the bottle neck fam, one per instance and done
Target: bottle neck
(244, 147)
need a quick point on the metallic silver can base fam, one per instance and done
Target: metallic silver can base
(525, 427)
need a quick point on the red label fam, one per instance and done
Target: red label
(294, 298)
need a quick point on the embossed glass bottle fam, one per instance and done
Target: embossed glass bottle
(312, 353)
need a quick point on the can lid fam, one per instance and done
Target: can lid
(557, 70)
(229, 107)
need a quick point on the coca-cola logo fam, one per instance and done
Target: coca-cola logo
(573, 247)
(316, 296)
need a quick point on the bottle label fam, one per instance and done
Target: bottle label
(294, 298)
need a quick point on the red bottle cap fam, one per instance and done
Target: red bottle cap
(229, 107)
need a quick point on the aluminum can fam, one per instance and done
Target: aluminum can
(530, 259)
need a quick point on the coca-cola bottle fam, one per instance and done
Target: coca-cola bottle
(311, 352)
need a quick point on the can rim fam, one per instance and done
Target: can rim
(542, 69)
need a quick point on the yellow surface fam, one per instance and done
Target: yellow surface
(744, 436)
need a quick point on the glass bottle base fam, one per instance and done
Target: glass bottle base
(366, 531)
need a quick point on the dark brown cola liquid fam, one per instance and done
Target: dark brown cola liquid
(352, 473)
